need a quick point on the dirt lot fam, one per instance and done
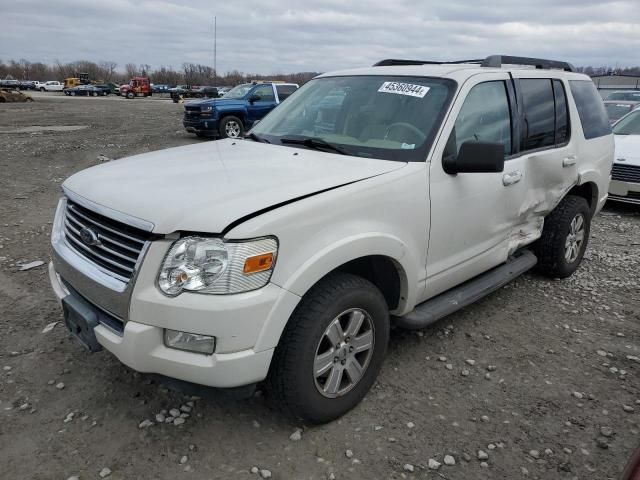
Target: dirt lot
(543, 376)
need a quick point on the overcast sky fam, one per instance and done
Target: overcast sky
(265, 36)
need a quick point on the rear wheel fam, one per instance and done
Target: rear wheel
(95, 94)
(231, 127)
(331, 350)
(564, 238)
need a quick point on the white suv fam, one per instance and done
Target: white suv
(396, 193)
(51, 86)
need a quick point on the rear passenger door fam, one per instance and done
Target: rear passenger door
(261, 101)
(545, 145)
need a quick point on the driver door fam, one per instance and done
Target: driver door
(472, 214)
(264, 102)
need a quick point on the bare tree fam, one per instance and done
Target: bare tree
(131, 70)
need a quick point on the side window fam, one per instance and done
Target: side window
(591, 111)
(484, 116)
(284, 91)
(562, 113)
(265, 92)
(538, 130)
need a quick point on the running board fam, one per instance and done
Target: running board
(469, 292)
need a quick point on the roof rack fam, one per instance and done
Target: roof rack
(492, 61)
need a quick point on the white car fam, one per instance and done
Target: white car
(396, 193)
(51, 86)
(625, 175)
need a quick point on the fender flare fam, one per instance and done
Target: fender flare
(328, 259)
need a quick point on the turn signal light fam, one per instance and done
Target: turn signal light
(258, 263)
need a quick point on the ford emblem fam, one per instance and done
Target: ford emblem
(89, 237)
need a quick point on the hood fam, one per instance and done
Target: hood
(627, 148)
(205, 187)
(216, 102)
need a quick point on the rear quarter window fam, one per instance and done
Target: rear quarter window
(591, 111)
(285, 91)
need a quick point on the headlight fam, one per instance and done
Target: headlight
(206, 109)
(211, 265)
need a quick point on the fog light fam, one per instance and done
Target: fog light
(191, 342)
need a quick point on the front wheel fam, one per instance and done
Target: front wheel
(564, 238)
(331, 350)
(130, 95)
(231, 127)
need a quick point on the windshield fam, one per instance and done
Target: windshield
(617, 110)
(392, 118)
(629, 125)
(238, 92)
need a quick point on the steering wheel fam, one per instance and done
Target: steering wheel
(406, 126)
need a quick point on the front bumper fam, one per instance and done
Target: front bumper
(627, 192)
(206, 125)
(141, 346)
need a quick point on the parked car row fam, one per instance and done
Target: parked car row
(89, 90)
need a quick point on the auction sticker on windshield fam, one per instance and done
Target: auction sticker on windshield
(410, 89)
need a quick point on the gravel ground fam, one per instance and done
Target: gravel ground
(539, 380)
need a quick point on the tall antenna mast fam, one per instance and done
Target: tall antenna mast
(215, 38)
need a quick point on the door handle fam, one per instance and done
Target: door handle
(569, 161)
(511, 178)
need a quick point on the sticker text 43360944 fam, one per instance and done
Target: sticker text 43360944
(400, 88)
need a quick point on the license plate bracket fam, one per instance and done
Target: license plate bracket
(81, 318)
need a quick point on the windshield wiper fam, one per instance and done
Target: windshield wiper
(256, 138)
(313, 143)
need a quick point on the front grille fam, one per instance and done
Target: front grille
(188, 110)
(118, 245)
(625, 173)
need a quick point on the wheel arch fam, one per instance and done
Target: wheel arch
(233, 113)
(589, 191)
(385, 264)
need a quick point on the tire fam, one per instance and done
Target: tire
(564, 238)
(292, 384)
(73, 94)
(94, 94)
(131, 95)
(231, 127)
(42, 89)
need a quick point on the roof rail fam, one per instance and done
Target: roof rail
(492, 61)
(497, 61)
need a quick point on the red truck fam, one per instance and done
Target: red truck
(137, 87)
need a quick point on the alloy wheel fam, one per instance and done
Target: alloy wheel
(343, 353)
(575, 238)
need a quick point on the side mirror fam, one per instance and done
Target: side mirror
(476, 157)
(254, 98)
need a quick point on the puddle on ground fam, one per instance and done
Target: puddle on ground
(46, 128)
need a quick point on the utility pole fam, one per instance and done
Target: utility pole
(215, 38)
